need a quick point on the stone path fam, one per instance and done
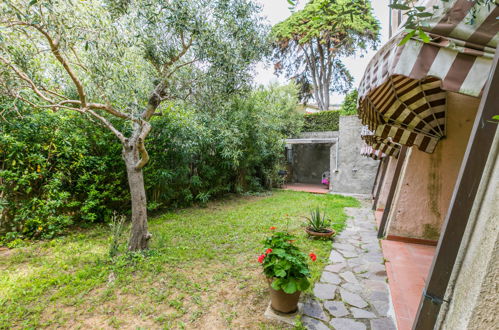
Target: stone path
(352, 293)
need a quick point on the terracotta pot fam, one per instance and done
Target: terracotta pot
(330, 232)
(283, 302)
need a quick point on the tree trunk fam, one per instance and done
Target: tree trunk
(325, 102)
(139, 237)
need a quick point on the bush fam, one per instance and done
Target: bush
(58, 169)
(321, 121)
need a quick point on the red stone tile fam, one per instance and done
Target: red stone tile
(311, 188)
(404, 323)
(378, 215)
(407, 268)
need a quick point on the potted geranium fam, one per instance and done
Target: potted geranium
(286, 269)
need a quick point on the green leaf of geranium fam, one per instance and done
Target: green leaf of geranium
(276, 284)
(280, 273)
(290, 287)
(303, 284)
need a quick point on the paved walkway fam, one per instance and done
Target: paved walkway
(307, 187)
(352, 293)
(407, 266)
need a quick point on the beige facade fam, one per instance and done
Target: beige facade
(387, 182)
(474, 289)
(427, 180)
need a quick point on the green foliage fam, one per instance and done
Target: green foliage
(417, 21)
(327, 20)
(199, 154)
(55, 169)
(116, 67)
(318, 221)
(321, 121)
(309, 45)
(349, 105)
(59, 169)
(285, 264)
(117, 226)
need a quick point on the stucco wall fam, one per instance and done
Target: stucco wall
(474, 293)
(310, 161)
(355, 173)
(386, 184)
(427, 180)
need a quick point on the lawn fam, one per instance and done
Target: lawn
(201, 270)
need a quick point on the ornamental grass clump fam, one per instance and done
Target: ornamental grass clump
(285, 264)
(318, 222)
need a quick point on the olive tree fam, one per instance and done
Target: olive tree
(115, 62)
(309, 44)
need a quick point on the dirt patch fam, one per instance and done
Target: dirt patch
(224, 302)
(5, 252)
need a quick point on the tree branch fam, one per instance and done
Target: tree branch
(108, 124)
(144, 156)
(25, 77)
(180, 66)
(54, 47)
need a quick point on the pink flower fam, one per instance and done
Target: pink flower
(260, 258)
(268, 251)
(312, 256)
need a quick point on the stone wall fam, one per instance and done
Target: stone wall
(355, 173)
(321, 135)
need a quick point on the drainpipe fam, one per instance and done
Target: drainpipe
(337, 152)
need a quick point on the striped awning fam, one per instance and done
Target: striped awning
(402, 95)
(378, 146)
(369, 151)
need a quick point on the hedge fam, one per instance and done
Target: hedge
(321, 121)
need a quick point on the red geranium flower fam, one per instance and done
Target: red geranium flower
(273, 228)
(260, 258)
(312, 256)
(268, 251)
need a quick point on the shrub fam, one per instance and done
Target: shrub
(56, 169)
(321, 121)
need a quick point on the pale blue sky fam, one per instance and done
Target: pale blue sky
(277, 10)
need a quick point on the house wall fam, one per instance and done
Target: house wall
(355, 173)
(427, 180)
(386, 184)
(474, 291)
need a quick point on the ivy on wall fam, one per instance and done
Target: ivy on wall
(321, 121)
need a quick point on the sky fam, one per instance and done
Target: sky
(277, 10)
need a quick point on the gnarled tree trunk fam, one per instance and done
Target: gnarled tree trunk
(139, 237)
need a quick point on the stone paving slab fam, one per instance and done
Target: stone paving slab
(352, 293)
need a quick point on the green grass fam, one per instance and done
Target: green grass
(201, 269)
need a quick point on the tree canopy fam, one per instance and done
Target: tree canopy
(309, 45)
(115, 62)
